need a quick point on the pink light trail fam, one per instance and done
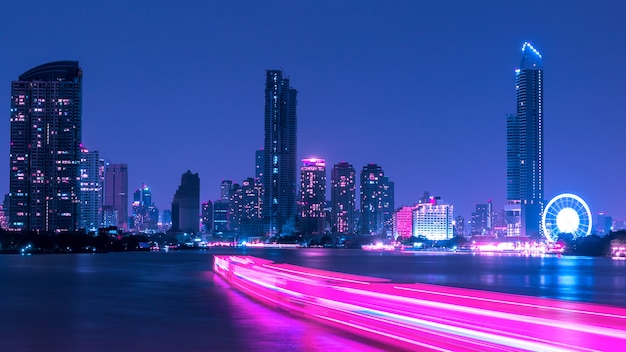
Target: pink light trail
(422, 316)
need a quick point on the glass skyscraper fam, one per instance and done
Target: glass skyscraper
(525, 148)
(279, 172)
(91, 186)
(312, 196)
(343, 197)
(46, 132)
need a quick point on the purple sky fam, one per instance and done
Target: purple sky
(422, 90)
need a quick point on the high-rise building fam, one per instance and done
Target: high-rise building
(482, 219)
(186, 204)
(226, 188)
(221, 216)
(433, 221)
(251, 202)
(207, 216)
(116, 195)
(459, 226)
(91, 189)
(279, 171)
(403, 222)
(312, 196)
(145, 214)
(46, 132)
(387, 203)
(343, 198)
(525, 148)
(372, 188)
(259, 164)
(604, 224)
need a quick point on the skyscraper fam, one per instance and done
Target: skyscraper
(116, 195)
(343, 197)
(46, 132)
(91, 185)
(279, 172)
(372, 218)
(186, 204)
(312, 196)
(525, 148)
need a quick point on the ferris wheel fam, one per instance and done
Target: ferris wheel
(566, 213)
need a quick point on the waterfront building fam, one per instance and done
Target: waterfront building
(116, 195)
(166, 221)
(236, 208)
(251, 202)
(145, 214)
(387, 203)
(524, 135)
(433, 220)
(403, 222)
(343, 198)
(482, 219)
(207, 216)
(279, 171)
(459, 226)
(604, 224)
(221, 216)
(186, 204)
(312, 196)
(371, 191)
(91, 190)
(46, 132)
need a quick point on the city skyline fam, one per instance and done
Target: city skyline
(436, 96)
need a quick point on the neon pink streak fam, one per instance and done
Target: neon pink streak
(426, 316)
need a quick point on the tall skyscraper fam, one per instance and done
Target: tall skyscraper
(116, 195)
(482, 219)
(372, 218)
(46, 132)
(91, 189)
(312, 196)
(186, 204)
(525, 148)
(259, 164)
(279, 172)
(387, 204)
(343, 197)
(145, 214)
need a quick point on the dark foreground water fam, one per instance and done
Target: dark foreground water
(172, 301)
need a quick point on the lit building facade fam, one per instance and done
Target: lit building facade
(207, 216)
(46, 132)
(226, 188)
(221, 216)
(433, 221)
(403, 222)
(343, 198)
(251, 211)
(279, 171)
(91, 190)
(116, 195)
(376, 200)
(145, 214)
(482, 219)
(186, 204)
(312, 196)
(525, 198)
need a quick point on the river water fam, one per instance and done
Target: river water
(173, 301)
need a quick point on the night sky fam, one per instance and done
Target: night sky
(421, 88)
